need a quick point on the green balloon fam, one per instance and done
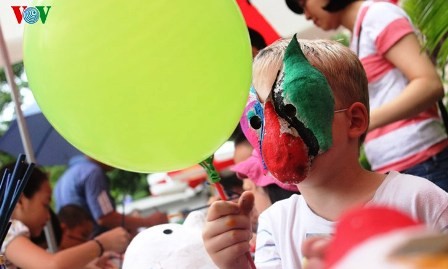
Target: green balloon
(140, 85)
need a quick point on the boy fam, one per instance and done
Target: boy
(314, 118)
(76, 224)
(406, 133)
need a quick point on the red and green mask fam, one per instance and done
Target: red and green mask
(295, 123)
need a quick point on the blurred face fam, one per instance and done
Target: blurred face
(242, 152)
(84, 230)
(313, 10)
(34, 211)
(261, 198)
(77, 235)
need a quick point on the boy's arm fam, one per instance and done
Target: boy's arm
(227, 232)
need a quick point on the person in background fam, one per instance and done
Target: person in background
(28, 220)
(406, 133)
(243, 148)
(233, 187)
(76, 224)
(41, 239)
(314, 116)
(85, 183)
(77, 228)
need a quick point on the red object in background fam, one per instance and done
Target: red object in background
(360, 224)
(257, 22)
(196, 175)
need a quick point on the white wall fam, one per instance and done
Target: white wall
(286, 22)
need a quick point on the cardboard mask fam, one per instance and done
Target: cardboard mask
(296, 119)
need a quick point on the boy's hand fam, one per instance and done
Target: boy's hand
(227, 232)
(313, 249)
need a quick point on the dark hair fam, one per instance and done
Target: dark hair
(256, 39)
(294, 6)
(34, 183)
(337, 5)
(229, 182)
(332, 6)
(276, 193)
(73, 215)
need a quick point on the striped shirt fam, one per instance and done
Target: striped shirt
(404, 143)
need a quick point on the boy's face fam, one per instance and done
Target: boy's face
(82, 231)
(295, 122)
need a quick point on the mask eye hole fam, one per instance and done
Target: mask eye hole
(290, 110)
(255, 122)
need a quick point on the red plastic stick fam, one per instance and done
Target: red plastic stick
(214, 178)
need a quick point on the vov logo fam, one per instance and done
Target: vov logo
(31, 14)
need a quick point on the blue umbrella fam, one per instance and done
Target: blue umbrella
(49, 147)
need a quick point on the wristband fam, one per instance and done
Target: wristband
(100, 245)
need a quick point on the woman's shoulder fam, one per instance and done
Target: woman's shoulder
(386, 11)
(383, 6)
(17, 228)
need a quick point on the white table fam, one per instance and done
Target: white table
(170, 203)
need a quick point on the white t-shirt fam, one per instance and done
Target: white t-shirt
(284, 226)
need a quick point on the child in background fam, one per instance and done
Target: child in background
(76, 224)
(29, 218)
(243, 149)
(233, 187)
(77, 228)
(314, 117)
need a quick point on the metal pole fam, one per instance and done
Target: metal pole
(23, 129)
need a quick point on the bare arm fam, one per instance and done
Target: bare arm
(26, 255)
(423, 90)
(115, 219)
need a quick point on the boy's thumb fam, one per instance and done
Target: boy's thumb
(246, 202)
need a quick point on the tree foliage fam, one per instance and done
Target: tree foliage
(430, 17)
(124, 183)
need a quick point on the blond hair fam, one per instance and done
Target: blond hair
(340, 66)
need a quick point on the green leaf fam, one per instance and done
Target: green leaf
(430, 17)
